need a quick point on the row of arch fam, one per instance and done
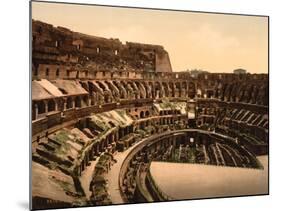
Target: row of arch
(116, 90)
(231, 92)
(42, 107)
(252, 93)
(101, 92)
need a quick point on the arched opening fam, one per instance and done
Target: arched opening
(33, 111)
(147, 113)
(151, 90)
(142, 114)
(47, 71)
(33, 40)
(58, 72)
(199, 92)
(69, 103)
(191, 90)
(210, 93)
(142, 125)
(85, 101)
(165, 89)
(78, 102)
(157, 90)
(178, 89)
(51, 105)
(171, 85)
(41, 107)
(184, 88)
(35, 70)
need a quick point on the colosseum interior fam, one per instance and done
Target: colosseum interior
(106, 113)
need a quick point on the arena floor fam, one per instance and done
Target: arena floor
(189, 181)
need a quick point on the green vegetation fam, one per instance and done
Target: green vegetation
(191, 155)
(149, 129)
(62, 136)
(67, 187)
(100, 194)
(141, 132)
(102, 125)
(122, 113)
(102, 164)
(166, 104)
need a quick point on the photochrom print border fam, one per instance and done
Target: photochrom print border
(154, 100)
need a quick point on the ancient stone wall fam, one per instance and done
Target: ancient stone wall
(67, 50)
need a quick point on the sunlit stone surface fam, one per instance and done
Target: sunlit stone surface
(103, 110)
(202, 181)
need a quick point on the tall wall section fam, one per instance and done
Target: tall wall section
(62, 51)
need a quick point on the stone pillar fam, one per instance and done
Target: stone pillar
(180, 90)
(64, 103)
(174, 142)
(92, 153)
(73, 103)
(56, 105)
(89, 101)
(36, 110)
(46, 106)
(97, 148)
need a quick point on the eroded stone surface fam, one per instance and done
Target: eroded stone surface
(94, 100)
